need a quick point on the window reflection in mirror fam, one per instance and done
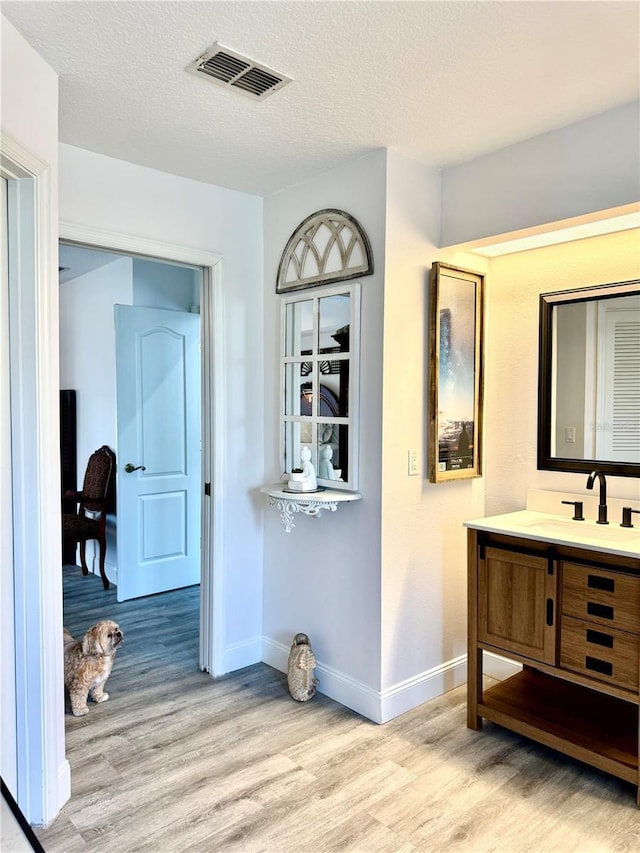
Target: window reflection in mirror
(297, 390)
(299, 327)
(589, 404)
(333, 327)
(596, 353)
(333, 444)
(321, 343)
(293, 444)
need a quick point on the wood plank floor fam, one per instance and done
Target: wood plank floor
(175, 761)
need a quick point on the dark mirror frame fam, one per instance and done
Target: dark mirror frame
(547, 462)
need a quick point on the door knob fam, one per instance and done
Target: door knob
(129, 468)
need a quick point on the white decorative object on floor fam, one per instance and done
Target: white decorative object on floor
(302, 662)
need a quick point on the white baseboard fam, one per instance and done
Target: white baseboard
(239, 655)
(423, 687)
(334, 684)
(64, 783)
(378, 706)
(275, 654)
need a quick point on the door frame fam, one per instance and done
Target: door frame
(42, 776)
(213, 406)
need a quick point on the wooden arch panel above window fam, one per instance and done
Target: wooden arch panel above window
(327, 246)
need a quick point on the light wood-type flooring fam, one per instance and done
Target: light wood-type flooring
(175, 761)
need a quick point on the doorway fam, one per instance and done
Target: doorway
(38, 740)
(206, 298)
(130, 364)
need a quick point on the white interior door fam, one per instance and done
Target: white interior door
(158, 412)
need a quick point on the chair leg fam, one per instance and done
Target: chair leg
(103, 551)
(83, 558)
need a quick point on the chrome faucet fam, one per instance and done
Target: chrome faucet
(602, 503)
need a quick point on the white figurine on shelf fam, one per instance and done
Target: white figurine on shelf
(325, 466)
(305, 480)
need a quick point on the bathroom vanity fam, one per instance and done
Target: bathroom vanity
(562, 598)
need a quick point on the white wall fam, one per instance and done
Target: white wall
(323, 578)
(408, 603)
(423, 541)
(112, 195)
(379, 587)
(589, 166)
(88, 366)
(30, 115)
(167, 286)
(511, 397)
(87, 336)
(29, 97)
(88, 352)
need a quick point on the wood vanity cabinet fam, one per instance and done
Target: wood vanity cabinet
(571, 616)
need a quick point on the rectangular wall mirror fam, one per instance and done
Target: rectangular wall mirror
(320, 372)
(589, 380)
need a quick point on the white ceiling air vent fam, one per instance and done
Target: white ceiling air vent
(231, 69)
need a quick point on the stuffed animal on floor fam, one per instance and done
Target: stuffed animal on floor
(302, 662)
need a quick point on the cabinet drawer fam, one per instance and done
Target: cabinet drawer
(602, 653)
(600, 596)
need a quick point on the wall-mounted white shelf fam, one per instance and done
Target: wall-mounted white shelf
(310, 503)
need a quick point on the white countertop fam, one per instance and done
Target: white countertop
(560, 530)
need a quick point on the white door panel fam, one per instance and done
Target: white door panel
(158, 405)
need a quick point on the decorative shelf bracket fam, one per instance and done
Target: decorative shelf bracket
(288, 509)
(289, 504)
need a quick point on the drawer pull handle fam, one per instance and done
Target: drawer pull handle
(598, 582)
(602, 666)
(599, 638)
(549, 612)
(602, 610)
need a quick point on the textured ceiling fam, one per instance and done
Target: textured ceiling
(441, 82)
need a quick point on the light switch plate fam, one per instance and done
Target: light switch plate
(413, 462)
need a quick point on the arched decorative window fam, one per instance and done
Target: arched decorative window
(327, 246)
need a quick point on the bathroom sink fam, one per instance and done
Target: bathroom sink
(610, 532)
(560, 530)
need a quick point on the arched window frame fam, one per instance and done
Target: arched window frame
(304, 254)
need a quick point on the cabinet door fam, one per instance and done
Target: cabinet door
(517, 603)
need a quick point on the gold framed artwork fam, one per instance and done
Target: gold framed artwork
(456, 373)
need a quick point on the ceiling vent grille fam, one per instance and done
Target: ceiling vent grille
(231, 69)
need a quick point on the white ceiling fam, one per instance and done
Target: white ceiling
(441, 82)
